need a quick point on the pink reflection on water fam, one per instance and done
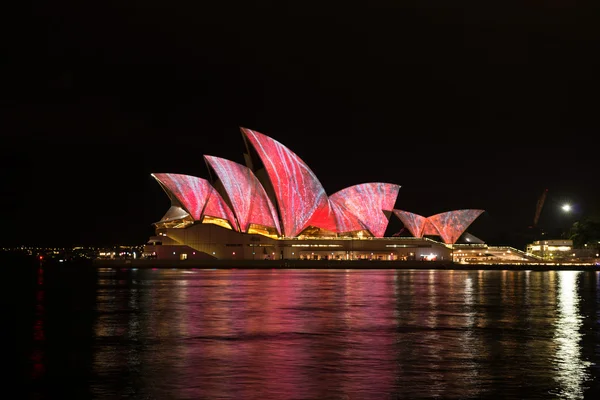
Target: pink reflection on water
(261, 334)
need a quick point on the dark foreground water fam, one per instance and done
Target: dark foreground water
(304, 334)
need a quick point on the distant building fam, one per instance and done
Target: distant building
(274, 207)
(551, 249)
(561, 250)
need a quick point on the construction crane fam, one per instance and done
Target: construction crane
(538, 208)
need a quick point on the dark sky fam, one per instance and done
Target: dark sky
(466, 104)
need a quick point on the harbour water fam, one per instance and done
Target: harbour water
(303, 334)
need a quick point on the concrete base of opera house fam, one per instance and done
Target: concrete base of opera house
(330, 264)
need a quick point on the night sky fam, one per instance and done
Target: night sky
(465, 104)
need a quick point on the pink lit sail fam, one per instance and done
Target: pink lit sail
(413, 222)
(367, 201)
(452, 224)
(197, 196)
(345, 220)
(301, 199)
(249, 200)
(192, 192)
(216, 207)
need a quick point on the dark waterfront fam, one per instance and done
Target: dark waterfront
(301, 334)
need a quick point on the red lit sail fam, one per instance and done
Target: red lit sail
(452, 224)
(298, 200)
(367, 201)
(345, 220)
(301, 199)
(429, 229)
(216, 207)
(191, 191)
(197, 196)
(249, 200)
(449, 225)
(413, 222)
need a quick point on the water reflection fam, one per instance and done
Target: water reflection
(39, 336)
(571, 369)
(209, 334)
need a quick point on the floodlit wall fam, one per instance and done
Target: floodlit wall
(226, 244)
(222, 243)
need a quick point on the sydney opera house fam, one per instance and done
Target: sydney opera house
(274, 207)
